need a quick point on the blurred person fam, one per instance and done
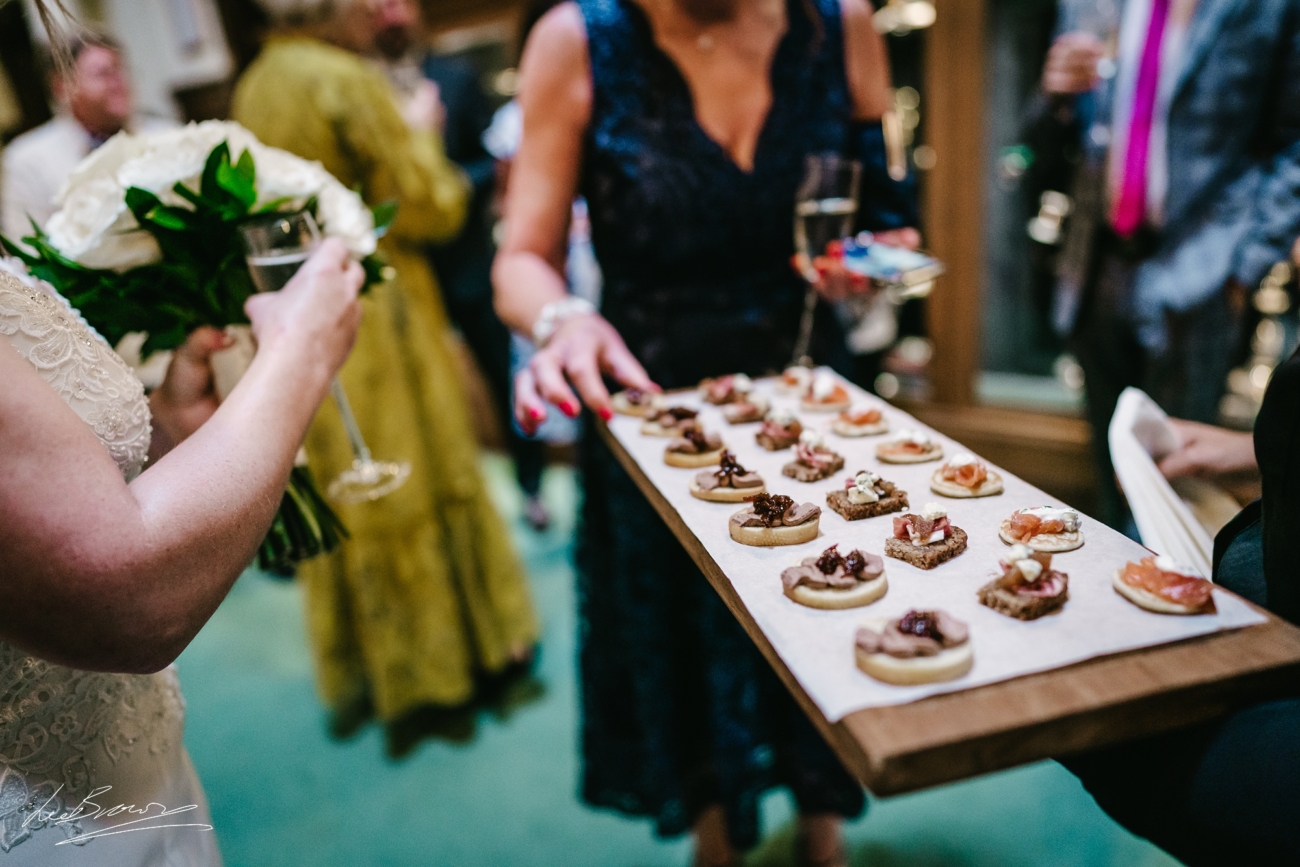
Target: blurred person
(1186, 195)
(464, 263)
(94, 103)
(685, 124)
(428, 598)
(1228, 791)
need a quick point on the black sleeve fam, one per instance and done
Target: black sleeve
(1277, 448)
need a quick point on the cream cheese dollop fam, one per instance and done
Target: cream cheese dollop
(742, 384)
(912, 436)
(783, 417)
(812, 439)
(1068, 517)
(823, 386)
(962, 459)
(1169, 564)
(864, 489)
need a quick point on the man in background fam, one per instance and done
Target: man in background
(94, 99)
(1188, 115)
(464, 264)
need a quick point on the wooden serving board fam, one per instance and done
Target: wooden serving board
(943, 738)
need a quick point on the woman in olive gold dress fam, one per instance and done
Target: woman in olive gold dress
(428, 593)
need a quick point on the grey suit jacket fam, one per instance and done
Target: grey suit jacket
(1233, 204)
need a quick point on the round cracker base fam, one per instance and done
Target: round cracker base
(836, 600)
(623, 406)
(949, 664)
(1149, 601)
(852, 431)
(772, 537)
(933, 455)
(692, 461)
(725, 495)
(1046, 543)
(837, 406)
(990, 487)
(654, 429)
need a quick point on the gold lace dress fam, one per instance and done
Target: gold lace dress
(429, 590)
(79, 743)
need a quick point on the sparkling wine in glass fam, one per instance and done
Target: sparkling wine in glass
(276, 247)
(825, 206)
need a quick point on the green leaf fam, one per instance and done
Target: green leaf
(208, 186)
(237, 184)
(384, 214)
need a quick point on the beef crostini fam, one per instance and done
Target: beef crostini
(730, 483)
(695, 448)
(833, 581)
(637, 403)
(775, 519)
(919, 647)
(669, 421)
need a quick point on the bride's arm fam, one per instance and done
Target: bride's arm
(100, 575)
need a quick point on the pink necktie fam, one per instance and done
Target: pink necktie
(1131, 205)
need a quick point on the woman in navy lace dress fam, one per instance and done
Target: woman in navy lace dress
(686, 124)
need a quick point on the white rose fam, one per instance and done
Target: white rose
(280, 174)
(344, 216)
(103, 162)
(90, 210)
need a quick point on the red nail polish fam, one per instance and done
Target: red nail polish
(606, 414)
(569, 409)
(536, 414)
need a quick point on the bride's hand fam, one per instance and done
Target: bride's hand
(186, 399)
(316, 315)
(580, 351)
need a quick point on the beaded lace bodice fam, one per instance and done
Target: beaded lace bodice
(64, 732)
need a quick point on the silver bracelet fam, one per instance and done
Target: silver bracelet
(555, 314)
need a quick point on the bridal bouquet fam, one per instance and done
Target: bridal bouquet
(148, 240)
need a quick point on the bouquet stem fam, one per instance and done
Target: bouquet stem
(304, 527)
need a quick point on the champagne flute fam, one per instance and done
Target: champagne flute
(825, 205)
(276, 246)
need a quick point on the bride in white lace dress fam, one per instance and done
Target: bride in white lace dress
(106, 573)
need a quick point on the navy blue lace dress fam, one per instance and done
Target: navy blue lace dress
(679, 709)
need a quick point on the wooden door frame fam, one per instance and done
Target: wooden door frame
(953, 200)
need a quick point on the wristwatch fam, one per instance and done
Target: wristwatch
(555, 314)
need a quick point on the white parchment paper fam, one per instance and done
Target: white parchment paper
(817, 646)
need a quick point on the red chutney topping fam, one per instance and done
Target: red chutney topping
(916, 633)
(861, 416)
(776, 510)
(695, 441)
(1188, 590)
(920, 530)
(833, 570)
(729, 474)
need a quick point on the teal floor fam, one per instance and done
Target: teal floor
(283, 793)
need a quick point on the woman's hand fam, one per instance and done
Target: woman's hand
(580, 351)
(1209, 451)
(316, 313)
(186, 399)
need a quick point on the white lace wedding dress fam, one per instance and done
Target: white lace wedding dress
(76, 738)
